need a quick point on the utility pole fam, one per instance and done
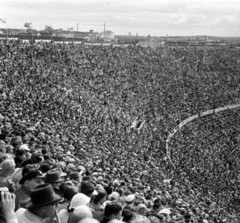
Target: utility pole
(77, 27)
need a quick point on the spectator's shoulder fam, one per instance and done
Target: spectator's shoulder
(20, 212)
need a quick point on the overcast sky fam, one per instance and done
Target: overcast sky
(154, 17)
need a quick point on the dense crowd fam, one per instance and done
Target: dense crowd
(86, 125)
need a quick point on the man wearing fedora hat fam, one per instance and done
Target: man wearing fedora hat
(53, 177)
(74, 178)
(43, 205)
(30, 179)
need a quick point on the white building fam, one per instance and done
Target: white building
(107, 35)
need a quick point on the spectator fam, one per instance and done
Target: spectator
(7, 169)
(43, 204)
(142, 209)
(9, 149)
(130, 202)
(98, 200)
(155, 210)
(29, 180)
(75, 178)
(81, 212)
(53, 177)
(87, 188)
(127, 216)
(64, 212)
(112, 211)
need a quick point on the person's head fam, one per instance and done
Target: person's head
(9, 149)
(31, 179)
(100, 198)
(86, 178)
(114, 196)
(113, 211)
(142, 209)
(130, 199)
(16, 141)
(156, 207)
(18, 160)
(44, 168)
(79, 199)
(127, 215)
(53, 177)
(20, 153)
(81, 212)
(43, 201)
(120, 191)
(87, 188)
(26, 139)
(69, 192)
(75, 178)
(154, 219)
(8, 167)
(28, 162)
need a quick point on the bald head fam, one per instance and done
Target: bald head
(8, 167)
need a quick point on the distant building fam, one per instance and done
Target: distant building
(107, 35)
(63, 33)
(81, 34)
(44, 33)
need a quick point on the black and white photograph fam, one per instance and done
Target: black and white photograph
(119, 111)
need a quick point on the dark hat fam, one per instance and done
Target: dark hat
(53, 176)
(74, 175)
(30, 175)
(43, 195)
(44, 168)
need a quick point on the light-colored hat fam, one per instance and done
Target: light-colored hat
(141, 206)
(89, 220)
(24, 147)
(100, 178)
(116, 183)
(165, 211)
(179, 201)
(82, 168)
(115, 221)
(79, 199)
(130, 198)
(79, 213)
(114, 196)
(71, 160)
(70, 166)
